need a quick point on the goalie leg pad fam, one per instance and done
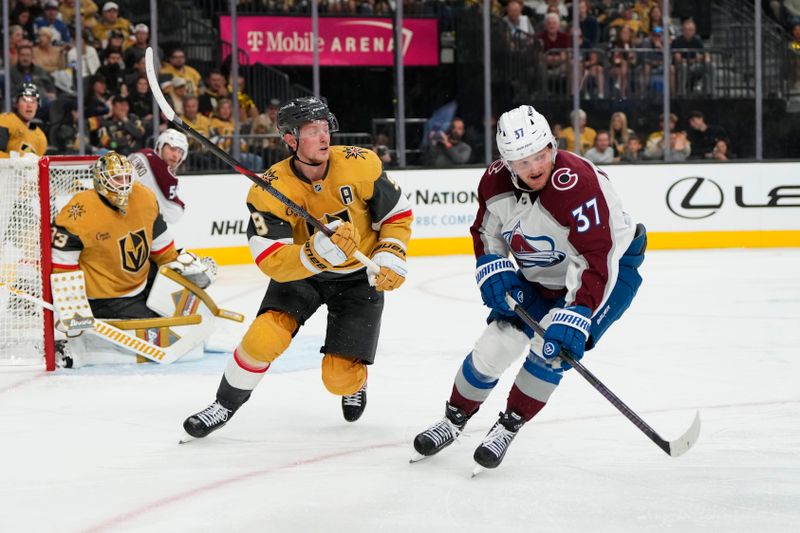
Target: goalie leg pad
(268, 336)
(343, 375)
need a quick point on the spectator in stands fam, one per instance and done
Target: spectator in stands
(448, 148)
(516, 21)
(380, 145)
(272, 148)
(633, 150)
(17, 39)
(45, 54)
(680, 147)
(703, 136)
(626, 19)
(653, 63)
(141, 40)
(110, 21)
(50, 19)
(116, 40)
(177, 68)
(222, 129)
(140, 100)
(794, 58)
(641, 11)
(96, 103)
(24, 20)
(18, 133)
(114, 73)
(555, 43)
(602, 151)
(558, 131)
(590, 28)
(721, 151)
(25, 71)
(90, 60)
(88, 13)
(122, 132)
(585, 133)
(543, 8)
(64, 135)
(621, 61)
(619, 132)
(215, 89)
(197, 121)
(592, 71)
(694, 69)
(177, 94)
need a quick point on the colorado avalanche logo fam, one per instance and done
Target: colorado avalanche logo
(530, 251)
(563, 180)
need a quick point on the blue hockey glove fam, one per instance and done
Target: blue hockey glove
(497, 276)
(569, 328)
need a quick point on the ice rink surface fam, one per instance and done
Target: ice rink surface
(95, 449)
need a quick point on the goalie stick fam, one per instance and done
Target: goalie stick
(673, 448)
(152, 78)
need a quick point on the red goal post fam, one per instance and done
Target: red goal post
(32, 190)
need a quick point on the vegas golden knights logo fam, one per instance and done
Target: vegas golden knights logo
(134, 250)
(343, 215)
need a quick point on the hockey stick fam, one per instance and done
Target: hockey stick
(673, 448)
(26, 296)
(236, 165)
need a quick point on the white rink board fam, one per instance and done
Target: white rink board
(728, 197)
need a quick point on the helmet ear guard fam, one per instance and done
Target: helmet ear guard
(106, 172)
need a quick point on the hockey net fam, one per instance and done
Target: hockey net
(32, 190)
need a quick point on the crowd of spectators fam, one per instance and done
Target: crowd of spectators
(118, 109)
(696, 140)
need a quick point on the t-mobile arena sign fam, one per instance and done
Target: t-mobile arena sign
(342, 42)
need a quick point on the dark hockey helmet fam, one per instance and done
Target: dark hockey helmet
(299, 111)
(27, 89)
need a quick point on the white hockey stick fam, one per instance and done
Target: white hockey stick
(152, 78)
(26, 296)
(673, 448)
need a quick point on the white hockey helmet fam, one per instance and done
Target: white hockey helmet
(175, 139)
(522, 132)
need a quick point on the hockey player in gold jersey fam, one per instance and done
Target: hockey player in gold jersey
(346, 188)
(17, 133)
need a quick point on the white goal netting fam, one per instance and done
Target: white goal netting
(22, 265)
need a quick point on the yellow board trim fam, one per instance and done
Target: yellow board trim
(655, 241)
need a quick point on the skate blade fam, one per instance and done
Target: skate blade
(186, 438)
(477, 470)
(417, 457)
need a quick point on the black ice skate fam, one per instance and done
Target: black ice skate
(491, 451)
(64, 356)
(353, 405)
(441, 434)
(209, 419)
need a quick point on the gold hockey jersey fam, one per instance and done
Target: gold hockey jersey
(355, 188)
(15, 136)
(112, 249)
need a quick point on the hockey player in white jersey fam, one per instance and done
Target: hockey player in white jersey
(574, 269)
(157, 170)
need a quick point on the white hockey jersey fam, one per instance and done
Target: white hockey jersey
(154, 173)
(567, 238)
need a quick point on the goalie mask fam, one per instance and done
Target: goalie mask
(113, 179)
(521, 133)
(175, 139)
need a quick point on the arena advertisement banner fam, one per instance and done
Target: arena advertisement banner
(683, 206)
(342, 42)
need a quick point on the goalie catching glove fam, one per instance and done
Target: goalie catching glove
(323, 251)
(390, 256)
(202, 271)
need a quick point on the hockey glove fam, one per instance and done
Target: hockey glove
(497, 276)
(337, 248)
(569, 327)
(390, 256)
(202, 271)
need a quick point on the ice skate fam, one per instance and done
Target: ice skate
(491, 451)
(441, 434)
(210, 419)
(64, 356)
(353, 405)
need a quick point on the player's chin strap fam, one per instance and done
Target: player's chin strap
(294, 152)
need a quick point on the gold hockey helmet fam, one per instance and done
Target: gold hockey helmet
(113, 179)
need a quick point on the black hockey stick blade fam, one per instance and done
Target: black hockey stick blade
(674, 448)
(169, 113)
